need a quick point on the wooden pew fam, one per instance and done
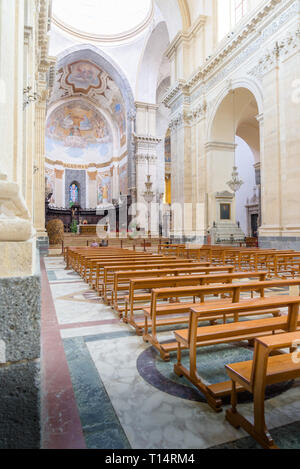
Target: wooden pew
(105, 269)
(161, 315)
(255, 375)
(195, 336)
(76, 256)
(121, 277)
(91, 271)
(137, 284)
(88, 260)
(176, 249)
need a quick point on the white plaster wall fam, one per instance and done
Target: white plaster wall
(196, 8)
(171, 13)
(244, 162)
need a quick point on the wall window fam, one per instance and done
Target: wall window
(230, 12)
(240, 9)
(74, 193)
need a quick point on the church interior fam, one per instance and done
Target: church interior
(149, 224)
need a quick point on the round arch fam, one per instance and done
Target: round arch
(252, 86)
(233, 115)
(93, 54)
(150, 62)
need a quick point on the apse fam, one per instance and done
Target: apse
(86, 136)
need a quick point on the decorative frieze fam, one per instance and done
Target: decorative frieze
(280, 51)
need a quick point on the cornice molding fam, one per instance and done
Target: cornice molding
(147, 106)
(220, 146)
(86, 166)
(185, 36)
(147, 139)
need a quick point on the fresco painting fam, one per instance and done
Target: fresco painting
(83, 76)
(119, 117)
(78, 131)
(168, 148)
(123, 179)
(50, 184)
(104, 184)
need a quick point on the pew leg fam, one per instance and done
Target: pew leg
(258, 431)
(231, 414)
(146, 331)
(125, 317)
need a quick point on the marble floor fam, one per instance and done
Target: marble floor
(104, 388)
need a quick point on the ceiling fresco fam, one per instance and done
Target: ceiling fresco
(85, 79)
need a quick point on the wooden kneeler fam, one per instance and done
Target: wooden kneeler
(256, 374)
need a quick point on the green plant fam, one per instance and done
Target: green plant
(73, 226)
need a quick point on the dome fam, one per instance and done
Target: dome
(102, 19)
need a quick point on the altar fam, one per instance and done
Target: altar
(88, 230)
(93, 230)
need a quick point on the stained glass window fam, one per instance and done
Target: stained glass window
(74, 193)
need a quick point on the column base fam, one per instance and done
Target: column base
(20, 299)
(42, 244)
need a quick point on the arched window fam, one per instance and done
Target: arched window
(74, 193)
(240, 7)
(230, 12)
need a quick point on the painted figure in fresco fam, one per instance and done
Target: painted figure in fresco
(85, 124)
(75, 127)
(121, 122)
(105, 194)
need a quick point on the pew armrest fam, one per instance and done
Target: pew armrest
(273, 342)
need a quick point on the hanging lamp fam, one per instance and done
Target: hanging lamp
(235, 183)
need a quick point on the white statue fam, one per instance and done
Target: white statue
(15, 219)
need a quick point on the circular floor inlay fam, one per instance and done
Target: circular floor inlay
(211, 367)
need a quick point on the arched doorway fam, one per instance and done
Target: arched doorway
(234, 141)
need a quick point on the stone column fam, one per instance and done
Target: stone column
(218, 155)
(39, 164)
(270, 153)
(92, 188)
(29, 117)
(280, 159)
(146, 165)
(146, 143)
